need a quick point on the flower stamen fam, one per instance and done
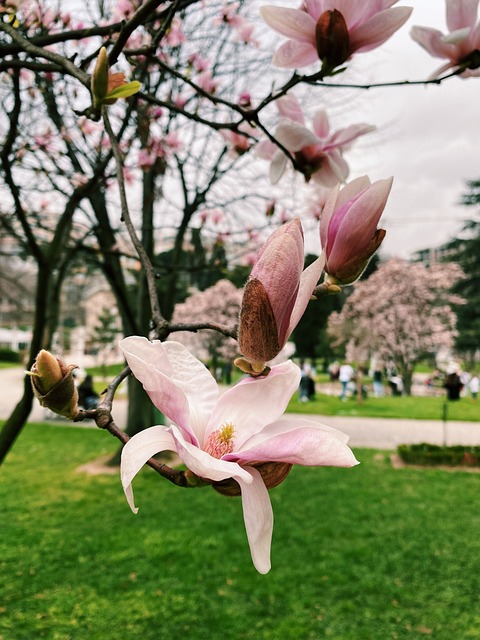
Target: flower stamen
(221, 441)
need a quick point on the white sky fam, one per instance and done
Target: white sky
(428, 138)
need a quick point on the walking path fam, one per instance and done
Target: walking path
(374, 433)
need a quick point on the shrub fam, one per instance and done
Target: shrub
(7, 355)
(432, 454)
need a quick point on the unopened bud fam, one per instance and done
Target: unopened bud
(258, 332)
(53, 384)
(99, 83)
(352, 270)
(333, 41)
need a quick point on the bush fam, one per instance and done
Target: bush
(432, 454)
(7, 355)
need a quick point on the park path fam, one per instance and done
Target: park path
(375, 433)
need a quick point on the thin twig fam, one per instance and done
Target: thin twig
(157, 318)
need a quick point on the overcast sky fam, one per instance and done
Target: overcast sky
(428, 138)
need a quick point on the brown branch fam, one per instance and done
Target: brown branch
(103, 419)
(157, 317)
(193, 327)
(39, 52)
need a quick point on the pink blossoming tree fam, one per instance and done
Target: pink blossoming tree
(402, 313)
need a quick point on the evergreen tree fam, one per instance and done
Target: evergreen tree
(465, 251)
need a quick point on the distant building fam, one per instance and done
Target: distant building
(432, 255)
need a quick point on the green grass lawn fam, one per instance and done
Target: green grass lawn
(369, 553)
(408, 407)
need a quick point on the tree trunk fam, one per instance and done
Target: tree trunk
(40, 335)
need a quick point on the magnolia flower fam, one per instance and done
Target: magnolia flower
(237, 440)
(275, 297)
(318, 153)
(461, 46)
(332, 30)
(348, 227)
(240, 143)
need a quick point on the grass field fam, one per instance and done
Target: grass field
(408, 407)
(369, 553)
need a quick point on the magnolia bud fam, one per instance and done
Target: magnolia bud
(350, 271)
(258, 332)
(333, 41)
(53, 385)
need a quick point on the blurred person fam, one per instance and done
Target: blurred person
(474, 386)
(453, 385)
(87, 396)
(345, 375)
(378, 388)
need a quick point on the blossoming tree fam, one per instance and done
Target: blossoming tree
(151, 88)
(401, 313)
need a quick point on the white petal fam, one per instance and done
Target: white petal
(203, 465)
(297, 441)
(294, 136)
(253, 403)
(308, 281)
(277, 166)
(290, 22)
(140, 448)
(178, 384)
(258, 517)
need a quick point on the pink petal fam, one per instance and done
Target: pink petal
(203, 464)
(378, 28)
(258, 517)
(433, 41)
(461, 13)
(334, 169)
(308, 281)
(278, 267)
(359, 224)
(294, 136)
(253, 403)
(137, 451)
(277, 166)
(345, 137)
(294, 55)
(266, 149)
(297, 441)
(292, 23)
(290, 108)
(320, 124)
(178, 384)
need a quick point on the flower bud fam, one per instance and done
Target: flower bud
(53, 385)
(332, 39)
(348, 228)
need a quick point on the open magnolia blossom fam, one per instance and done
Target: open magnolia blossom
(461, 46)
(275, 297)
(332, 30)
(318, 153)
(348, 227)
(227, 438)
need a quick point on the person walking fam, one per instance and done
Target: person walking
(345, 375)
